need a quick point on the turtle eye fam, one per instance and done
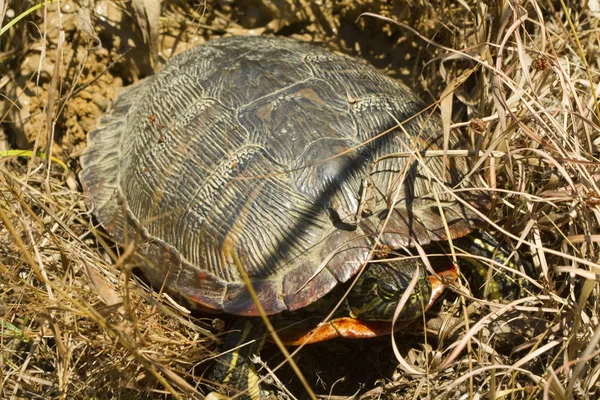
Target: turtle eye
(387, 292)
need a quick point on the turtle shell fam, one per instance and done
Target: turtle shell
(274, 156)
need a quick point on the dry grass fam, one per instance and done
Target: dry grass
(519, 79)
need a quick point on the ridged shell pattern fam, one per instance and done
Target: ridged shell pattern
(273, 156)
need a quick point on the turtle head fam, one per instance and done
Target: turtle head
(378, 290)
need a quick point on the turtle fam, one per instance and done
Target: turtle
(266, 162)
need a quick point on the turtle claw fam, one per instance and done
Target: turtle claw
(440, 283)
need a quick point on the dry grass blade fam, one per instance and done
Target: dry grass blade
(84, 22)
(403, 300)
(272, 330)
(148, 15)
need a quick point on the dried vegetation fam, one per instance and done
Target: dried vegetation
(519, 80)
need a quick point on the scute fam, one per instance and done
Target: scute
(258, 153)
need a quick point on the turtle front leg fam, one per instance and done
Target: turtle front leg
(354, 328)
(233, 368)
(497, 283)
